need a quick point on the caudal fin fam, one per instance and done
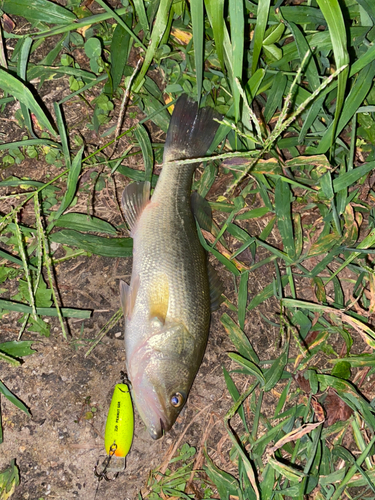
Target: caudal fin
(191, 130)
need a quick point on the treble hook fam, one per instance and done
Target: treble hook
(105, 464)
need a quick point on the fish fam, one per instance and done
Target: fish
(167, 305)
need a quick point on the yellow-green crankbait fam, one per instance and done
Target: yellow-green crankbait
(119, 428)
(119, 432)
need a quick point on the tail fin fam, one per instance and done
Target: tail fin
(191, 130)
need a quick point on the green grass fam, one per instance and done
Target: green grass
(9, 479)
(295, 87)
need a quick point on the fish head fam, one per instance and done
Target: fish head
(162, 371)
(160, 396)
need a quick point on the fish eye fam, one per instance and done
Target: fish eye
(177, 400)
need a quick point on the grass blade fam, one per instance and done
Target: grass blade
(160, 25)
(227, 263)
(337, 30)
(67, 312)
(14, 259)
(283, 200)
(242, 298)
(9, 359)
(29, 142)
(247, 464)
(249, 367)
(156, 112)
(239, 339)
(84, 222)
(260, 28)
(16, 88)
(226, 484)
(22, 72)
(351, 177)
(107, 247)
(266, 293)
(142, 16)
(72, 182)
(352, 102)
(284, 125)
(365, 243)
(235, 395)
(215, 12)
(13, 399)
(273, 374)
(48, 261)
(63, 135)
(118, 19)
(237, 30)
(38, 11)
(146, 148)
(197, 18)
(311, 70)
(120, 51)
(22, 252)
(275, 97)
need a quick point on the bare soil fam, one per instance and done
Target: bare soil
(58, 446)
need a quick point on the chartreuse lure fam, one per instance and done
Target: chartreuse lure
(119, 428)
(119, 432)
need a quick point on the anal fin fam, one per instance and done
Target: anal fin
(134, 199)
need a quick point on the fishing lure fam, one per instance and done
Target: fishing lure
(119, 432)
(119, 428)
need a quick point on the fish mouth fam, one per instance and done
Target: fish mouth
(152, 412)
(156, 432)
(150, 395)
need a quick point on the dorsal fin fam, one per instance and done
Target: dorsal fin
(134, 199)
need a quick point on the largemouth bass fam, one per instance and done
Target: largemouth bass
(167, 304)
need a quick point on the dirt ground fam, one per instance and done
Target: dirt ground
(58, 446)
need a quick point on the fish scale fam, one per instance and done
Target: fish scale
(167, 304)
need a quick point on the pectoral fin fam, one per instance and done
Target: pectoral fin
(128, 296)
(134, 199)
(159, 298)
(174, 340)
